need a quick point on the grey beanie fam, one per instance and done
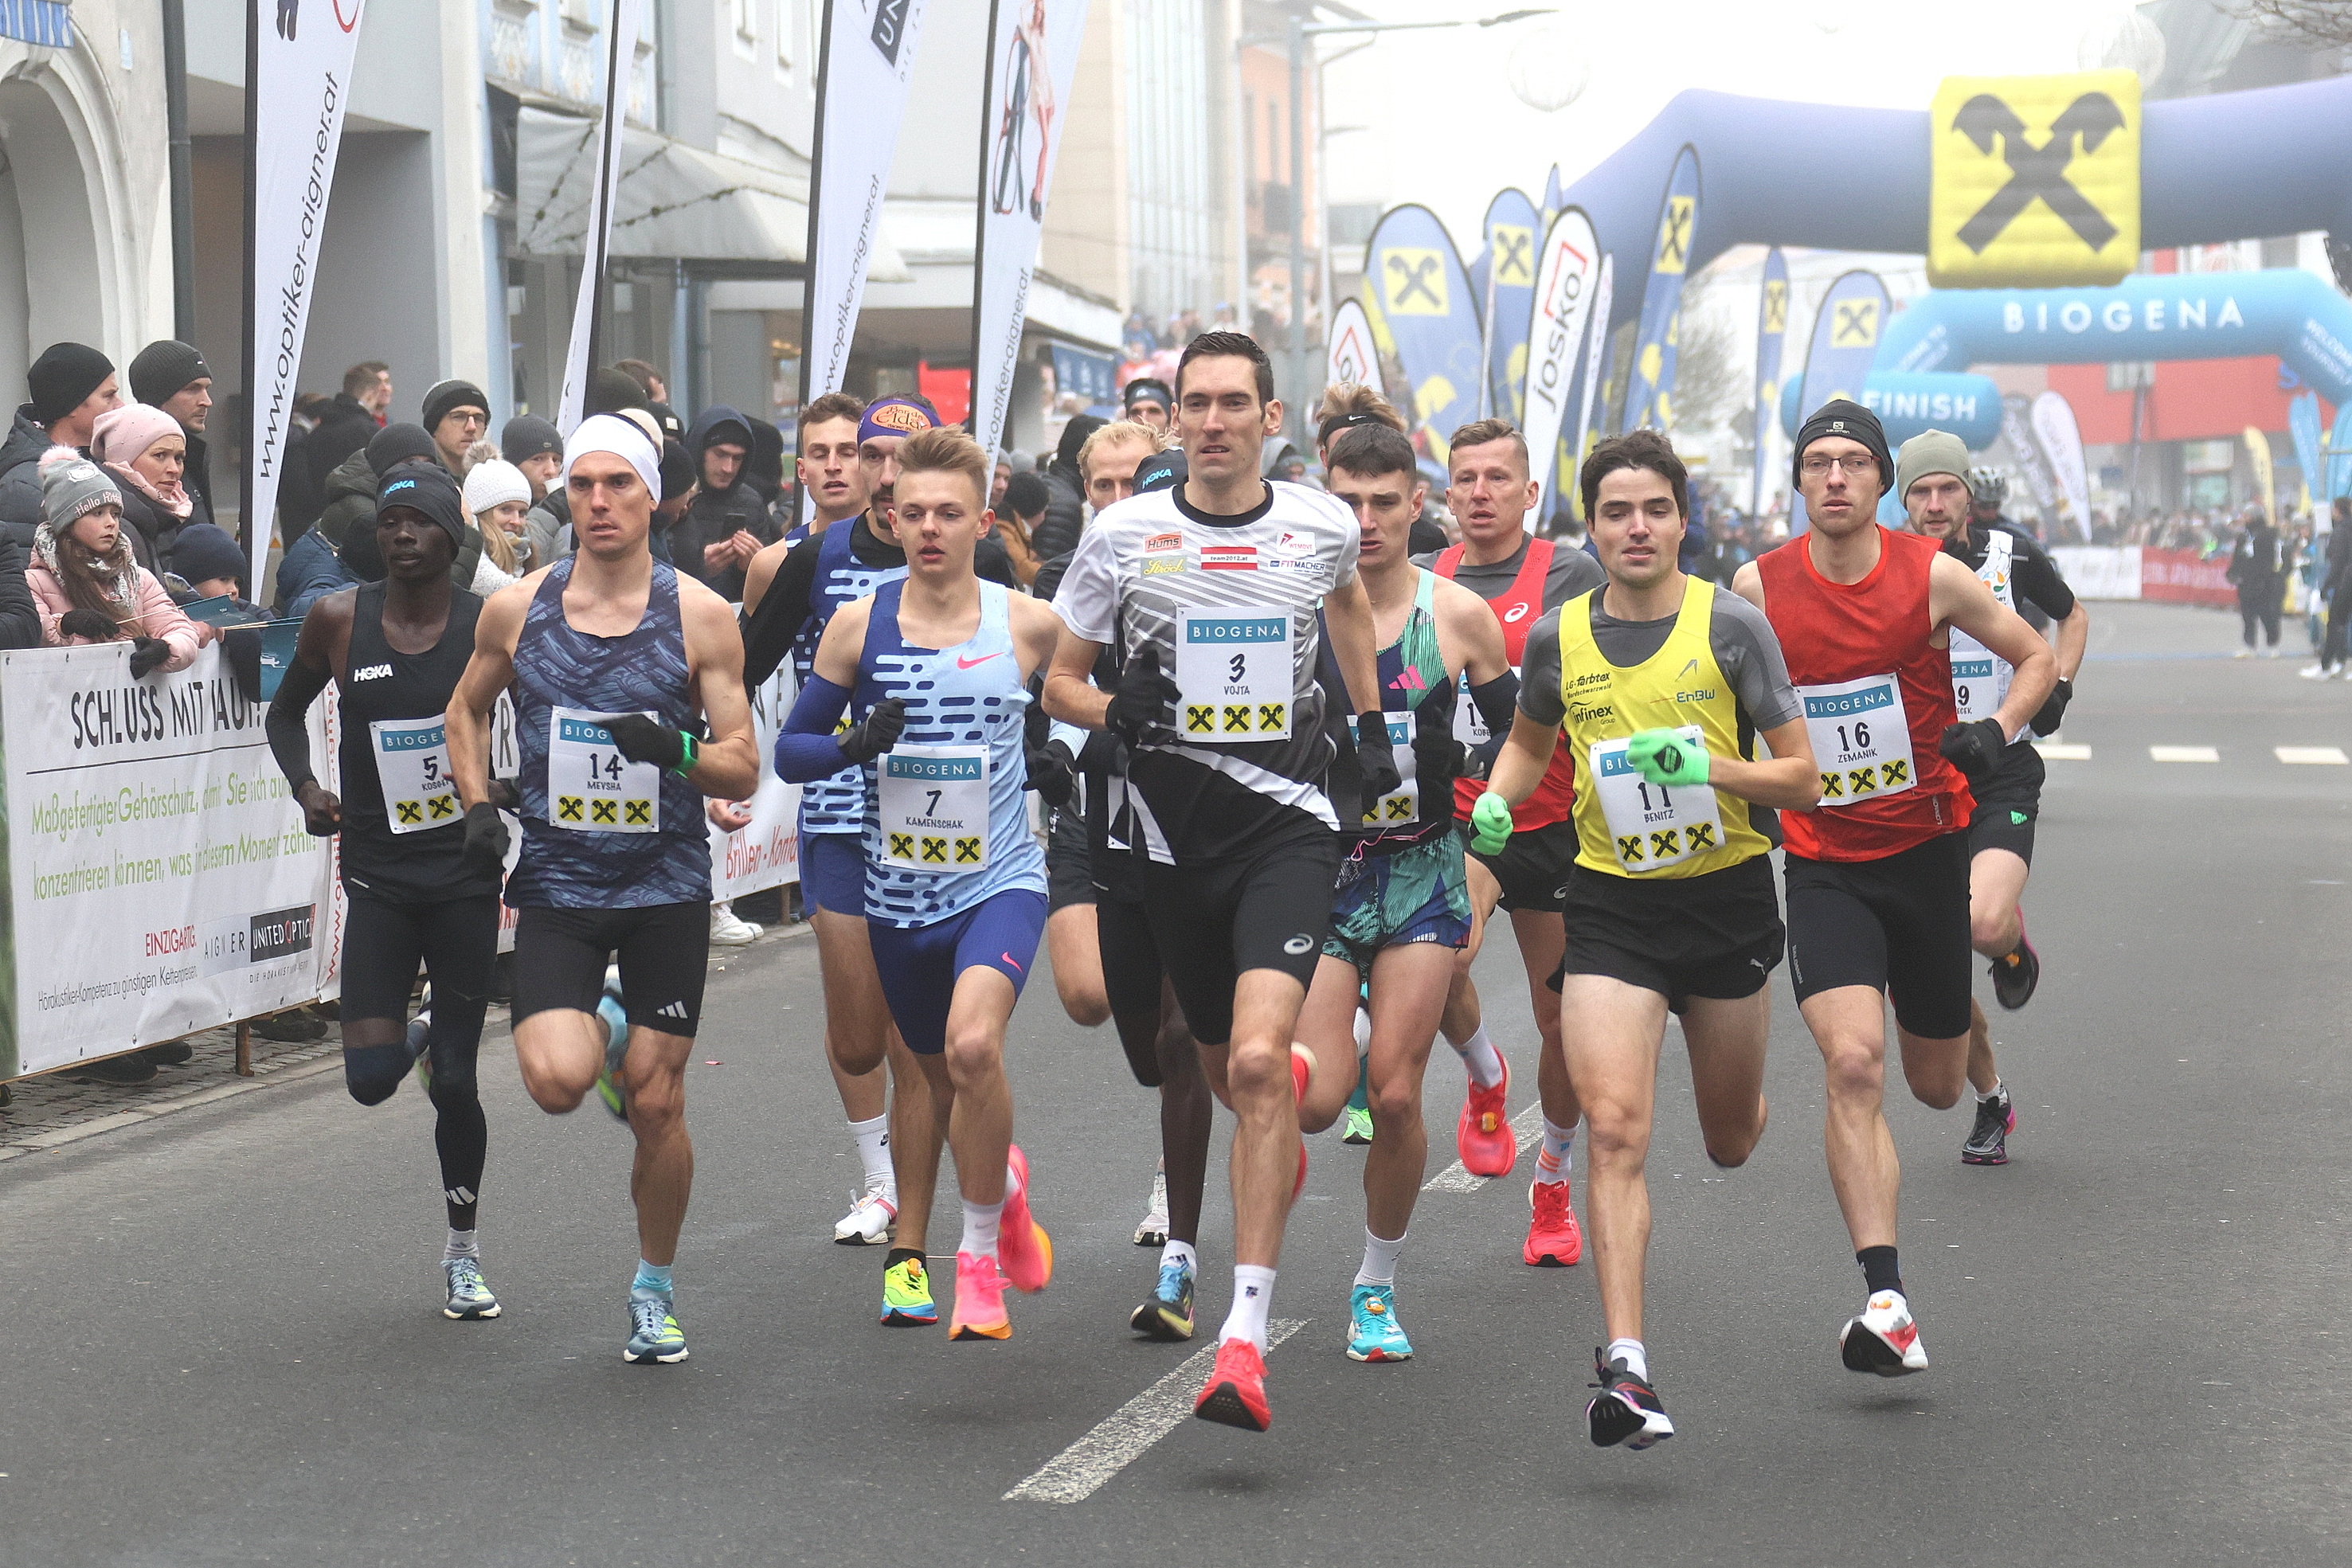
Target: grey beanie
(72, 485)
(1930, 452)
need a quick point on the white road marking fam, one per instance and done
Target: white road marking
(2320, 755)
(2062, 752)
(2183, 754)
(1527, 1124)
(1078, 1471)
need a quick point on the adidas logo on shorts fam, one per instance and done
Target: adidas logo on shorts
(675, 1010)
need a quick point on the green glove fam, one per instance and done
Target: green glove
(1490, 824)
(1663, 756)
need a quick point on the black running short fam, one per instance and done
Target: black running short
(1899, 926)
(1213, 921)
(1533, 867)
(2008, 805)
(1718, 936)
(1131, 958)
(456, 940)
(1069, 863)
(664, 951)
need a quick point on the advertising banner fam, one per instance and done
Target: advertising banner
(1570, 271)
(2034, 180)
(159, 878)
(1430, 319)
(1350, 357)
(2186, 577)
(2017, 429)
(1772, 331)
(2303, 426)
(2100, 571)
(1837, 360)
(1032, 57)
(2062, 443)
(766, 854)
(1596, 369)
(299, 83)
(2257, 449)
(1505, 281)
(1649, 391)
(2339, 455)
(613, 84)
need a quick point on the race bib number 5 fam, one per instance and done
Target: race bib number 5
(1862, 740)
(1235, 668)
(590, 787)
(933, 807)
(412, 763)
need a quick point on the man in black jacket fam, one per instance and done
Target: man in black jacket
(1066, 487)
(70, 385)
(2335, 590)
(349, 424)
(727, 522)
(172, 376)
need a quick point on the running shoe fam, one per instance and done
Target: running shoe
(617, 1045)
(1302, 1076)
(1168, 1316)
(1626, 1411)
(2318, 672)
(653, 1333)
(1357, 1128)
(1482, 1136)
(980, 1300)
(1023, 1250)
(907, 1295)
(469, 1298)
(1554, 1239)
(2016, 974)
(1884, 1339)
(729, 930)
(1152, 1230)
(1373, 1332)
(1987, 1142)
(1235, 1392)
(872, 1219)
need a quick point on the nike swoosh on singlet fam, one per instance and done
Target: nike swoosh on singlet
(964, 664)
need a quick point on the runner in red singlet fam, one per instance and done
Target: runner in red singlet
(1878, 876)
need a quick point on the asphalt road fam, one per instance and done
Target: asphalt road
(225, 1344)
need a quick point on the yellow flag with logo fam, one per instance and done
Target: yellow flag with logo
(2036, 180)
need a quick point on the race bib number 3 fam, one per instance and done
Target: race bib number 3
(933, 803)
(412, 763)
(1401, 805)
(1234, 669)
(1653, 826)
(590, 787)
(1862, 740)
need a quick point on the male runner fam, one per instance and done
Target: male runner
(1933, 479)
(1400, 908)
(394, 650)
(851, 449)
(611, 656)
(1520, 577)
(937, 665)
(1658, 682)
(1878, 876)
(1210, 592)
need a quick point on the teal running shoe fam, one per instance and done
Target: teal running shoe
(469, 1296)
(1375, 1335)
(1168, 1316)
(616, 1047)
(653, 1333)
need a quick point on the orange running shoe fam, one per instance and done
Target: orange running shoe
(1023, 1249)
(1482, 1136)
(979, 1300)
(1235, 1393)
(1553, 1239)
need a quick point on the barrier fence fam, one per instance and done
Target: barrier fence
(2135, 571)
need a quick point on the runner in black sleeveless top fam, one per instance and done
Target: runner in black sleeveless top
(394, 651)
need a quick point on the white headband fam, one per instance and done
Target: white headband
(609, 432)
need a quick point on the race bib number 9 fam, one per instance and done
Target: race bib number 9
(1974, 691)
(590, 787)
(933, 804)
(1862, 740)
(1653, 826)
(1235, 668)
(412, 763)
(1401, 806)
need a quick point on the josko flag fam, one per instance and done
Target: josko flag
(1570, 271)
(299, 82)
(1422, 311)
(1772, 332)
(1648, 392)
(1596, 368)
(612, 82)
(2034, 181)
(1032, 59)
(1504, 278)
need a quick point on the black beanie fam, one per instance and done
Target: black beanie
(426, 487)
(397, 444)
(526, 436)
(1074, 436)
(611, 390)
(162, 371)
(444, 396)
(1843, 416)
(64, 375)
(676, 470)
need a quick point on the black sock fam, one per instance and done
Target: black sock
(1878, 1270)
(898, 1255)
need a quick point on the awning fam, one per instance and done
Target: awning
(673, 201)
(48, 23)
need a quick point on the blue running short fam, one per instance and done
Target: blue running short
(920, 964)
(1417, 895)
(833, 872)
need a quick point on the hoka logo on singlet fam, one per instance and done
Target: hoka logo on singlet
(373, 673)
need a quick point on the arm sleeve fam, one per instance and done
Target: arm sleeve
(806, 748)
(1087, 597)
(289, 736)
(784, 611)
(1498, 698)
(20, 618)
(1750, 655)
(2037, 580)
(1539, 696)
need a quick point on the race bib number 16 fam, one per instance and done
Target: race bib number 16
(1862, 740)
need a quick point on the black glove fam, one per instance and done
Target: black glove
(876, 733)
(486, 839)
(640, 739)
(1974, 747)
(2054, 711)
(1374, 759)
(322, 814)
(505, 795)
(147, 654)
(1437, 759)
(1053, 775)
(241, 651)
(87, 623)
(1145, 695)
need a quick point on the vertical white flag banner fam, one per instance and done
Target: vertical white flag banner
(1351, 357)
(2062, 443)
(298, 84)
(1032, 58)
(620, 57)
(1596, 362)
(1567, 271)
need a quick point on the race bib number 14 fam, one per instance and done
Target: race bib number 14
(590, 787)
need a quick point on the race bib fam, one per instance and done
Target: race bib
(1653, 826)
(1235, 669)
(1979, 680)
(934, 808)
(412, 763)
(1469, 724)
(1401, 805)
(590, 787)
(1862, 740)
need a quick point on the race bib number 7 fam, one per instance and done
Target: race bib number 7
(933, 807)
(1862, 740)
(1235, 668)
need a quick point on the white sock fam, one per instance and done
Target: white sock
(1558, 1154)
(1379, 1267)
(1253, 1296)
(1630, 1351)
(1479, 1055)
(1180, 1252)
(1993, 1093)
(980, 1222)
(1363, 1033)
(462, 1244)
(874, 1148)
